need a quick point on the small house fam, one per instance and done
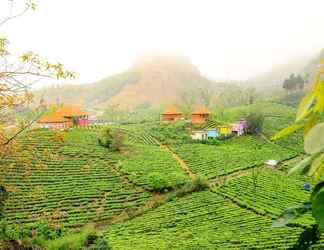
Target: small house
(201, 115)
(54, 121)
(64, 117)
(212, 133)
(238, 129)
(75, 114)
(225, 130)
(171, 115)
(199, 135)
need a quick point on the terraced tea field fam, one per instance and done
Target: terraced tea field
(68, 179)
(268, 192)
(201, 221)
(71, 182)
(146, 163)
(232, 155)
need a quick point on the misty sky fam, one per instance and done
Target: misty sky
(226, 39)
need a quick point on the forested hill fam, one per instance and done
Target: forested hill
(156, 78)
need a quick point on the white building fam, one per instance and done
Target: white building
(199, 135)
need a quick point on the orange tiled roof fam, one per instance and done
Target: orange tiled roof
(201, 111)
(69, 111)
(172, 111)
(62, 114)
(53, 117)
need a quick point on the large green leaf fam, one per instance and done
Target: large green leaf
(298, 168)
(287, 131)
(304, 106)
(318, 210)
(314, 140)
(317, 189)
(292, 213)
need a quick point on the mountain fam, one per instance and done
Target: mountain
(156, 78)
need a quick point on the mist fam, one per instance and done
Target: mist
(228, 40)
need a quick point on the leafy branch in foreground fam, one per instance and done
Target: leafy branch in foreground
(309, 116)
(17, 74)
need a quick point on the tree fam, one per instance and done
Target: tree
(255, 123)
(16, 76)
(294, 82)
(309, 117)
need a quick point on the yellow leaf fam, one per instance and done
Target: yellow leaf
(310, 123)
(287, 131)
(304, 106)
(316, 165)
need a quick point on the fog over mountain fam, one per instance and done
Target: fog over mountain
(155, 77)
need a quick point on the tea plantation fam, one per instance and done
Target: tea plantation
(147, 196)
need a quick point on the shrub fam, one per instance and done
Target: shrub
(158, 182)
(113, 139)
(200, 183)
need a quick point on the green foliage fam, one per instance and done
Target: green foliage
(318, 209)
(290, 100)
(71, 241)
(113, 139)
(314, 140)
(169, 133)
(158, 182)
(3, 197)
(275, 192)
(95, 242)
(287, 131)
(151, 167)
(36, 233)
(72, 182)
(201, 220)
(255, 123)
(310, 109)
(230, 155)
(292, 214)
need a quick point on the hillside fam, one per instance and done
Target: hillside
(156, 78)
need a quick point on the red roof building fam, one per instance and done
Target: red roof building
(200, 115)
(64, 117)
(171, 115)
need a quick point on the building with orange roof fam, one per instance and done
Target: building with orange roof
(64, 117)
(171, 115)
(200, 115)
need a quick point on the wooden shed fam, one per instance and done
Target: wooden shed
(200, 115)
(171, 115)
(225, 130)
(212, 133)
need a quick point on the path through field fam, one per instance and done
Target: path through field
(182, 163)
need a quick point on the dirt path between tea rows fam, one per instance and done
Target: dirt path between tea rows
(182, 163)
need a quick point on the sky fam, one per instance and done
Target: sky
(225, 39)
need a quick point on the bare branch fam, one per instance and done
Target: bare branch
(11, 16)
